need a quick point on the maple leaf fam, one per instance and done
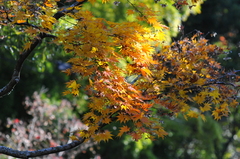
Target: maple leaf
(216, 115)
(123, 118)
(215, 94)
(192, 114)
(73, 86)
(123, 129)
(200, 81)
(199, 99)
(106, 120)
(48, 21)
(74, 138)
(206, 107)
(130, 11)
(105, 136)
(27, 46)
(152, 20)
(136, 136)
(161, 133)
(124, 107)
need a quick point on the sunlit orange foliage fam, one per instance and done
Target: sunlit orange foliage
(183, 77)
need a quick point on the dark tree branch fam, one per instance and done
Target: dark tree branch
(27, 24)
(60, 14)
(17, 69)
(46, 151)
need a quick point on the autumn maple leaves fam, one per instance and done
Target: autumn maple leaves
(182, 77)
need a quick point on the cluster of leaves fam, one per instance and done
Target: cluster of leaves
(188, 79)
(109, 53)
(179, 76)
(51, 124)
(99, 45)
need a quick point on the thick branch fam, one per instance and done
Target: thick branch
(46, 151)
(17, 69)
(16, 73)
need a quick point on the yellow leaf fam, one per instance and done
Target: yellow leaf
(192, 114)
(124, 107)
(185, 117)
(73, 138)
(206, 107)
(214, 94)
(146, 72)
(216, 115)
(200, 81)
(203, 117)
(182, 93)
(204, 71)
(74, 85)
(152, 20)
(199, 99)
(27, 46)
(90, 82)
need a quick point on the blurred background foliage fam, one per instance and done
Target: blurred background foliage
(192, 139)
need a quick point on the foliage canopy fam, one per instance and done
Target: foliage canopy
(130, 83)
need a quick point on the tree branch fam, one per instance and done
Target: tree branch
(46, 151)
(14, 81)
(16, 73)
(22, 57)
(17, 69)
(60, 14)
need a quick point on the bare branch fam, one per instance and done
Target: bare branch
(46, 151)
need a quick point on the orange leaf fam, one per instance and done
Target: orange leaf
(21, 21)
(130, 11)
(123, 130)
(27, 46)
(136, 136)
